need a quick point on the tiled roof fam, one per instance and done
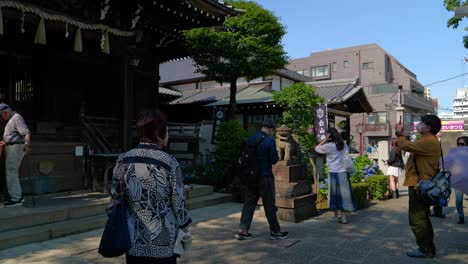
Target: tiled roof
(214, 94)
(343, 94)
(166, 91)
(184, 70)
(254, 94)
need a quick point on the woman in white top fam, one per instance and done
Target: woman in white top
(341, 197)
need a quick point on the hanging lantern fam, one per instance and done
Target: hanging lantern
(40, 37)
(105, 43)
(1, 22)
(78, 44)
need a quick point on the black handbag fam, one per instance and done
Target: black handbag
(115, 240)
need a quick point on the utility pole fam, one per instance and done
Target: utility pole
(399, 109)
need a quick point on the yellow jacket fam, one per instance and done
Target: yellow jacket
(427, 151)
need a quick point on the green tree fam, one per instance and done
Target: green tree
(298, 102)
(454, 22)
(247, 45)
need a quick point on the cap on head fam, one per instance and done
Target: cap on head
(268, 124)
(4, 107)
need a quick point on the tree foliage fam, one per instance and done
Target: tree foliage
(298, 101)
(247, 45)
(454, 22)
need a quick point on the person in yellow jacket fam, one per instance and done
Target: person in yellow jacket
(425, 153)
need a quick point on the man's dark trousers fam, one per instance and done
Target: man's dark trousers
(420, 223)
(266, 190)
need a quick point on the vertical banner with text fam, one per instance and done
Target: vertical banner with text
(321, 121)
(219, 115)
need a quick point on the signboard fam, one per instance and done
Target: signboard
(453, 126)
(448, 126)
(219, 115)
(321, 121)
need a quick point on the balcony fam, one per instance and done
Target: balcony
(375, 127)
(417, 102)
(374, 130)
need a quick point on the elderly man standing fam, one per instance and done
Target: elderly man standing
(16, 140)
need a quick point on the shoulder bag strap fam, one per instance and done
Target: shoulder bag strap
(259, 141)
(122, 184)
(442, 156)
(416, 166)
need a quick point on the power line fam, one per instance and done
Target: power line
(447, 79)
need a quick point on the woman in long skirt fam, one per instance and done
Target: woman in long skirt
(341, 198)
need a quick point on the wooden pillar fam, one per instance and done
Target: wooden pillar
(156, 78)
(348, 130)
(127, 103)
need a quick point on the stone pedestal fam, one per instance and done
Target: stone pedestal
(294, 197)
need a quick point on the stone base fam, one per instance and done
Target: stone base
(292, 189)
(294, 209)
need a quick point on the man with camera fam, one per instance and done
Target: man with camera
(422, 164)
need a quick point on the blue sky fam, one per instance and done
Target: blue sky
(415, 32)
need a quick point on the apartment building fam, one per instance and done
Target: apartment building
(460, 104)
(392, 89)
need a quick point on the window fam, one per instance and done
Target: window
(319, 71)
(307, 72)
(300, 72)
(23, 91)
(387, 60)
(377, 118)
(382, 89)
(368, 65)
(345, 64)
(333, 66)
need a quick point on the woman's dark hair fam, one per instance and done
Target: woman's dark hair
(335, 137)
(151, 125)
(464, 138)
(433, 121)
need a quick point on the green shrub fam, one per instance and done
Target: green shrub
(323, 191)
(209, 174)
(378, 185)
(360, 191)
(229, 145)
(365, 167)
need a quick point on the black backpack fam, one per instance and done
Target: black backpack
(249, 167)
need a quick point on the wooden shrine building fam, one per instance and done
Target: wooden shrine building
(78, 71)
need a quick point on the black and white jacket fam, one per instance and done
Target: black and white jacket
(154, 198)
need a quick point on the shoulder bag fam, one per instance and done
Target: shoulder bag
(349, 163)
(115, 240)
(435, 191)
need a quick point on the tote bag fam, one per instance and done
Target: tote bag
(115, 240)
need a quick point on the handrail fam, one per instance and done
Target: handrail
(95, 135)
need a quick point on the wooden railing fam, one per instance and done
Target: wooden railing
(93, 132)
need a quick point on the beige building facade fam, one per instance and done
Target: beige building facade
(392, 89)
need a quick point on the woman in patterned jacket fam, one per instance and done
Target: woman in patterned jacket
(154, 193)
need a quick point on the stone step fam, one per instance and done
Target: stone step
(197, 190)
(52, 217)
(39, 233)
(53, 211)
(207, 200)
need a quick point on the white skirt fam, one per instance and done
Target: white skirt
(394, 171)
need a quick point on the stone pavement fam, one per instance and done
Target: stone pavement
(377, 234)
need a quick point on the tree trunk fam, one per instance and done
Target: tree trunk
(315, 174)
(232, 99)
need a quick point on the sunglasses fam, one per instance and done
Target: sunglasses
(460, 144)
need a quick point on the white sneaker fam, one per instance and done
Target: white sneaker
(343, 220)
(335, 219)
